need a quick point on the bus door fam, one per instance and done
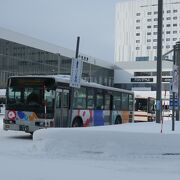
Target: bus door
(62, 108)
(107, 109)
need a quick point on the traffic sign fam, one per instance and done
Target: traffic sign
(76, 73)
(175, 103)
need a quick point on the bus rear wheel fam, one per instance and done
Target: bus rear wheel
(77, 122)
(118, 120)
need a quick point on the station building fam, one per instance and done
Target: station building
(136, 25)
(141, 78)
(23, 55)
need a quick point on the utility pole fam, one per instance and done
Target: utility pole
(173, 93)
(72, 88)
(177, 59)
(159, 64)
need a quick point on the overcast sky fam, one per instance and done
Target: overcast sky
(61, 21)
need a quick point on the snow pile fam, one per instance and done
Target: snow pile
(107, 143)
(127, 151)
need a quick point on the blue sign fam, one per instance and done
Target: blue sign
(175, 103)
(76, 73)
(158, 104)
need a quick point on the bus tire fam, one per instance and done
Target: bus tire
(77, 122)
(118, 120)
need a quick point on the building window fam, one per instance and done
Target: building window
(168, 11)
(168, 18)
(154, 47)
(175, 17)
(148, 47)
(137, 20)
(148, 33)
(137, 34)
(137, 41)
(148, 40)
(168, 46)
(175, 11)
(142, 58)
(174, 32)
(174, 25)
(148, 27)
(138, 14)
(174, 39)
(155, 33)
(155, 19)
(168, 25)
(137, 27)
(137, 48)
(168, 32)
(167, 39)
(149, 13)
(155, 26)
(155, 12)
(166, 73)
(148, 20)
(154, 40)
(142, 73)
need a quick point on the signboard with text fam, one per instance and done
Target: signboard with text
(175, 103)
(141, 79)
(76, 73)
(175, 79)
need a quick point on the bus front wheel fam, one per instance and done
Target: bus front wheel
(77, 122)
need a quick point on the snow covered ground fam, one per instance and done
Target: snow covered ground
(128, 151)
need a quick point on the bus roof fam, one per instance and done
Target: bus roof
(140, 97)
(66, 79)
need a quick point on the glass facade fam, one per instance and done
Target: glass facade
(19, 59)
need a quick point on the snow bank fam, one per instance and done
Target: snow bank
(107, 143)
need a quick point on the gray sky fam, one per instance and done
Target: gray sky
(61, 21)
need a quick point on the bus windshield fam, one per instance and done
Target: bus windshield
(31, 95)
(145, 104)
(141, 104)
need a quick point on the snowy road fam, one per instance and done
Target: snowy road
(116, 152)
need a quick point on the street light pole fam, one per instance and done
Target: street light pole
(159, 64)
(72, 88)
(177, 59)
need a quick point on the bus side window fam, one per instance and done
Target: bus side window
(90, 98)
(116, 101)
(107, 102)
(80, 98)
(125, 101)
(58, 99)
(65, 99)
(130, 102)
(99, 102)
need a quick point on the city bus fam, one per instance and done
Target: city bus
(144, 109)
(36, 102)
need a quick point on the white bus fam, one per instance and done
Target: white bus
(35, 102)
(144, 109)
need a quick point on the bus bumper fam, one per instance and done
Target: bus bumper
(16, 127)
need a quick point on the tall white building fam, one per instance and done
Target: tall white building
(136, 24)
